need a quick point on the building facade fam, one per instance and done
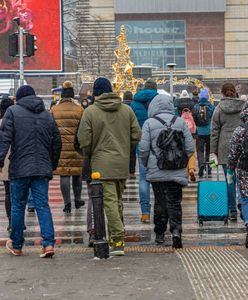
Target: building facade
(205, 38)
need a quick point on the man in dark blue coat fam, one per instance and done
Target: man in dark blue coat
(35, 144)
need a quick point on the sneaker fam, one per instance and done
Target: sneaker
(47, 252)
(145, 218)
(176, 240)
(192, 176)
(15, 252)
(159, 239)
(201, 171)
(234, 216)
(31, 209)
(79, 204)
(67, 208)
(117, 249)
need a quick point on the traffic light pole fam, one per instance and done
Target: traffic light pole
(21, 54)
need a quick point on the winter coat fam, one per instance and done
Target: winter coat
(106, 133)
(225, 119)
(67, 115)
(140, 104)
(34, 139)
(150, 131)
(4, 174)
(236, 151)
(183, 103)
(204, 130)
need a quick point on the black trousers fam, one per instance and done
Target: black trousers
(203, 149)
(132, 161)
(167, 206)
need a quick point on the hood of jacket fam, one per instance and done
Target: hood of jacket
(159, 105)
(203, 102)
(231, 105)
(108, 102)
(32, 103)
(244, 113)
(145, 95)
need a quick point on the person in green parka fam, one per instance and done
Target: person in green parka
(108, 131)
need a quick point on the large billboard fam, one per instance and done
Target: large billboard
(44, 20)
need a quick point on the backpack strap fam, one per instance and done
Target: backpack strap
(173, 120)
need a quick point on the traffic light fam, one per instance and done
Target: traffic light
(13, 45)
(30, 44)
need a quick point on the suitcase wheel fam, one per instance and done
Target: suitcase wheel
(226, 221)
(200, 222)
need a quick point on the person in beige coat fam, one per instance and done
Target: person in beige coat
(67, 115)
(5, 103)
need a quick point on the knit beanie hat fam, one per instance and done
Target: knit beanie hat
(184, 94)
(101, 85)
(150, 85)
(24, 91)
(204, 94)
(5, 103)
(67, 90)
(128, 95)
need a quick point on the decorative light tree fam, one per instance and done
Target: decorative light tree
(124, 79)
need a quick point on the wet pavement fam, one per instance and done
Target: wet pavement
(71, 229)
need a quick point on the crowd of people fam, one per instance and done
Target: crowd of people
(106, 136)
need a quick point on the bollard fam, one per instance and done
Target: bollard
(101, 247)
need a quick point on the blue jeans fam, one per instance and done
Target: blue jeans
(231, 189)
(30, 200)
(144, 190)
(243, 206)
(19, 189)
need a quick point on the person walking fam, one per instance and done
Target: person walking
(238, 160)
(107, 132)
(185, 109)
(226, 119)
(5, 103)
(67, 115)
(140, 105)
(202, 114)
(35, 149)
(127, 99)
(166, 183)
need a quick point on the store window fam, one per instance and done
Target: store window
(155, 43)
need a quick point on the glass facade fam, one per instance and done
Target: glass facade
(155, 43)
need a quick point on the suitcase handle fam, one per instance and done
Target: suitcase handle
(207, 164)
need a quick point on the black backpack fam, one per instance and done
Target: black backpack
(171, 143)
(202, 115)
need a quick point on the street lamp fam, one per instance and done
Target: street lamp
(171, 67)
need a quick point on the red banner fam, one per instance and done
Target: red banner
(43, 18)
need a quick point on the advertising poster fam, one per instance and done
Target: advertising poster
(41, 18)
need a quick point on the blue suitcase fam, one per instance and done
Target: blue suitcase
(212, 200)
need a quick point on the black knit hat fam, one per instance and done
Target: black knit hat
(67, 90)
(101, 85)
(5, 103)
(24, 91)
(128, 95)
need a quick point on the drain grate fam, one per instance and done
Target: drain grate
(219, 273)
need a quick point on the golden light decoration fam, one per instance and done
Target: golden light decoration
(124, 79)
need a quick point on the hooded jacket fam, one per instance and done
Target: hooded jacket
(236, 151)
(67, 115)
(107, 131)
(34, 139)
(225, 119)
(140, 104)
(203, 130)
(162, 107)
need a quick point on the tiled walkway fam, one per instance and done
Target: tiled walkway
(71, 229)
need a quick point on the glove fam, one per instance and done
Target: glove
(229, 176)
(213, 160)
